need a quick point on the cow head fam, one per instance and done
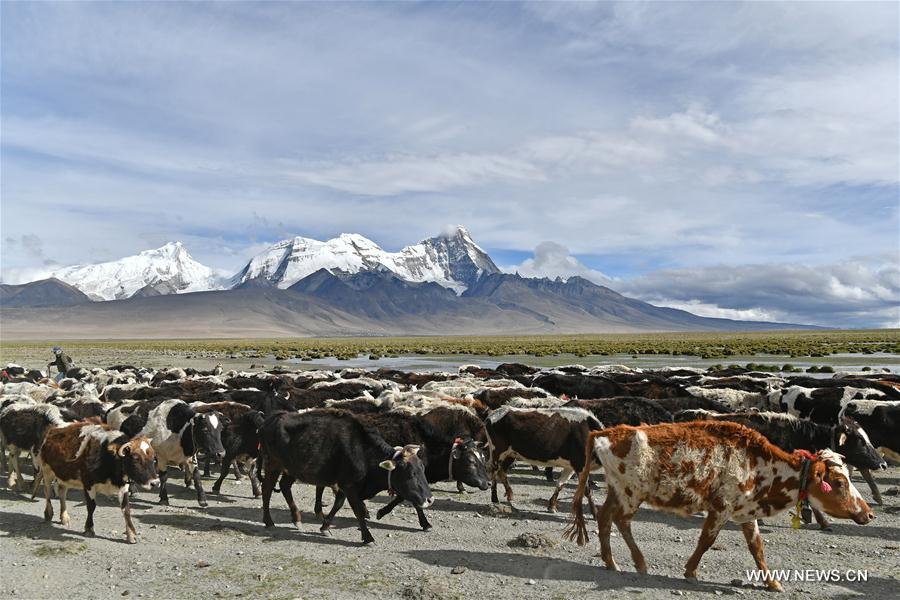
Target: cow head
(207, 433)
(139, 462)
(467, 463)
(851, 440)
(830, 489)
(407, 475)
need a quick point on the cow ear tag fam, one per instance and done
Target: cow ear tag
(826, 487)
(387, 465)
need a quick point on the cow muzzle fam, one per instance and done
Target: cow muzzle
(428, 502)
(864, 517)
(152, 484)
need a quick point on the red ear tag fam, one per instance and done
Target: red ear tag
(826, 487)
(457, 441)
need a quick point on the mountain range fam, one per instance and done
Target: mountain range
(347, 285)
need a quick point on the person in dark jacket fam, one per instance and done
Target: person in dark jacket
(62, 362)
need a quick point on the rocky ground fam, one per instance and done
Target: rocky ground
(475, 550)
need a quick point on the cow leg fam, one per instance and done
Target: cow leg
(48, 494)
(286, 482)
(163, 489)
(822, 520)
(711, 527)
(320, 489)
(198, 483)
(387, 508)
(38, 478)
(502, 473)
(268, 484)
(254, 482)
(548, 474)
(359, 509)
(206, 464)
(563, 478)
(876, 494)
(604, 529)
(63, 513)
(238, 472)
(339, 498)
(423, 520)
(15, 480)
(187, 469)
(226, 463)
(125, 504)
(623, 524)
(755, 544)
(90, 498)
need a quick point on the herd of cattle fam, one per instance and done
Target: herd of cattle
(734, 444)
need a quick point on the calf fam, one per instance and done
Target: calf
(334, 448)
(178, 433)
(240, 438)
(728, 470)
(789, 433)
(22, 429)
(447, 458)
(881, 420)
(548, 437)
(96, 459)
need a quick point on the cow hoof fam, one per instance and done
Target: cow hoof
(368, 542)
(203, 503)
(827, 527)
(131, 539)
(379, 515)
(64, 520)
(269, 525)
(89, 533)
(216, 489)
(774, 586)
(691, 579)
(427, 528)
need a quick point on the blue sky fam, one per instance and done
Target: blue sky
(736, 159)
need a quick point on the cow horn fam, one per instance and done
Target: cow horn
(398, 450)
(410, 450)
(122, 449)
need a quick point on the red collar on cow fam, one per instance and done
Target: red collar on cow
(803, 495)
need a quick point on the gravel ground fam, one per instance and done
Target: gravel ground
(475, 550)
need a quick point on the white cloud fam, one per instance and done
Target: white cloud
(403, 174)
(554, 260)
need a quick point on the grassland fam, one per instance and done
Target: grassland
(791, 344)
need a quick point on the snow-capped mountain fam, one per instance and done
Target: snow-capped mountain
(452, 260)
(166, 270)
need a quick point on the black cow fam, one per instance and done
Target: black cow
(548, 437)
(331, 447)
(624, 411)
(240, 437)
(577, 385)
(447, 457)
(881, 420)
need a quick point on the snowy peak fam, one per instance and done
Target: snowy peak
(169, 269)
(452, 260)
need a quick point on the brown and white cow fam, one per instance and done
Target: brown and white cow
(730, 471)
(96, 459)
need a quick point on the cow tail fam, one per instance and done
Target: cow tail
(577, 529)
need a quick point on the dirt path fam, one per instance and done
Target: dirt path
(224, 551)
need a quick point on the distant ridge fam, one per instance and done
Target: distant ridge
(347, 285)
